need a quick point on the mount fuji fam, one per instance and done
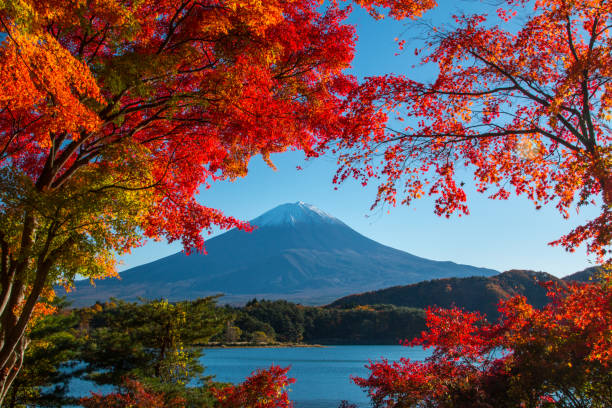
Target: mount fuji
(297, 252)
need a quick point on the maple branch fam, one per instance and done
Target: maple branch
(48, 175)
(99, 45)
(110, 106)
(531, 96)
(210, 65)
(465, 137)
(94, 151)
(497, 66)
(79, 163)
(139, 106)
(585, 91)
(603, 30)
(85, 41)
(141, 188)
(172, 26)
(192, 40)
(534, 87)
(16, 132)
(433, 91)
(570, 38)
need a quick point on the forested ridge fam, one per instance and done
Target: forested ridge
(477, 293)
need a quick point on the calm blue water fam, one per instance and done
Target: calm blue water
(322, 374)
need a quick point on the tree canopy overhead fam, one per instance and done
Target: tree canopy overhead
(166, 96)
(113, 113)
(524, 103)
(527, 107)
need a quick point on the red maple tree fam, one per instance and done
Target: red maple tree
(113, 113)
(262, 389)
(527, 108)
(132, 394)
(557, 356)
(524, 104)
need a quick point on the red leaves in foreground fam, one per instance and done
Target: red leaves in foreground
(559, 355)
(134, 395)
(263, 389)
(398, 9)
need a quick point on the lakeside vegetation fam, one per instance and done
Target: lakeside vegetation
(284, 321)
(157, 345)
(149, 351)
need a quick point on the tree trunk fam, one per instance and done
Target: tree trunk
(13, 341)
(13, 400)
(11, 370)
(603, 174)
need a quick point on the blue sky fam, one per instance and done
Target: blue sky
(497, 234)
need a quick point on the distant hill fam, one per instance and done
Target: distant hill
(473, 293)
(584, 276)
(297, 252)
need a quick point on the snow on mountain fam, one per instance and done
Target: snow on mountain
(294, 213)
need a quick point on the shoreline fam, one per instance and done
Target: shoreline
(268, 345)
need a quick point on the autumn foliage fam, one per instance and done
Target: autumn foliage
(522, 99)
(113, 114)
(397, 9)
(263, 389)
(560, 355)
(132, 394)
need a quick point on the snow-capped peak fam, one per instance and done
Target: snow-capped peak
(294, 213)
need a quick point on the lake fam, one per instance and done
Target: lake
(322, 374)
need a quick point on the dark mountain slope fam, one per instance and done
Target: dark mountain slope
(472, 293)
(586, 275)
(298, 252)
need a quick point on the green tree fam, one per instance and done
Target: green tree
(249, 325)
(153, 343)
(260, 337)
(48, 363)
(286, 318)
(232, 333)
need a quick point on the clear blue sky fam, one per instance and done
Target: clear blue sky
(497, 234)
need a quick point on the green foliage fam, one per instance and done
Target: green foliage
(381, 324)
(260, 337)
(157, 343)
(48, 362)
(250, 325)
(232, 334)
(286, 318)
(289, 322)
(152, 342)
